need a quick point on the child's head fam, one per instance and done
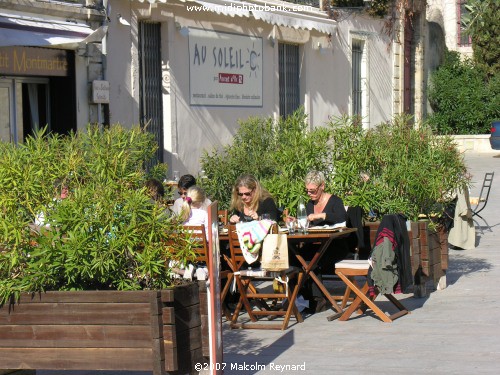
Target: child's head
(194, 198)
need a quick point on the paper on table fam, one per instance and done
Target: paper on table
(326, 226)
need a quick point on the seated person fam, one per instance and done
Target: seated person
(185, 182)
(192, 214)
(323, 208)
(155, 189)
(249, 201)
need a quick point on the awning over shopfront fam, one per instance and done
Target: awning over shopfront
(23, 30)
(279, 13)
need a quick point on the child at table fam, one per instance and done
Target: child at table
(192, 213)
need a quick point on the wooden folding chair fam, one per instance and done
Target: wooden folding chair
(348, 270)
(199, 238)
(223, 216)
(283, 302)
(201, 249)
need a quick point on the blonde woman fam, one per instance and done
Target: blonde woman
(192, 211)
(250, 200)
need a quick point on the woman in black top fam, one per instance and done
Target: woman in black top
(249, 201)
(323, 208)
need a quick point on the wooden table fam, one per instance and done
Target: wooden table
(324, 238)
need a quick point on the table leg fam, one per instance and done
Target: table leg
(308, 271)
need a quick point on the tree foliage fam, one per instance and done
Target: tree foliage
(410, 169)
(107, 234)
(462, 100)
(482, 24)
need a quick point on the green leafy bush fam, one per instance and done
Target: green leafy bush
(107, 234)
(279, 153)
(410, 169)
(463, 101)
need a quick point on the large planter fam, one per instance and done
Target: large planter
(429, 254)
(158, 331)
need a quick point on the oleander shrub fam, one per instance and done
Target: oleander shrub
(411, 170)
(463, 100)
(107, 233)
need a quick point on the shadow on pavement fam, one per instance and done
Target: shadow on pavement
(251, 353)
(461, 265)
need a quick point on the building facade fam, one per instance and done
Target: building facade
(44, 65)
(189, 70)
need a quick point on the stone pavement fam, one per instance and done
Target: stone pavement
(452, 331)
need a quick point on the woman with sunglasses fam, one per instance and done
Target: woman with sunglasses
(249, 201)
(185, 182)
(323, 208)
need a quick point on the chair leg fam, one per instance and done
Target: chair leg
(361, 298)
(291, 303)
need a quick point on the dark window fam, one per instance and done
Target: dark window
(289, 78)
(462, 38)
(150, 80)
(357, 55)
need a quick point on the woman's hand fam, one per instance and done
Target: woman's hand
(312, 217)
(253, 215)
(234, 219)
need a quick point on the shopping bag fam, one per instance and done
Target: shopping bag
(275, 252)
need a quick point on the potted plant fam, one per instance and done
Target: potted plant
(393, 168)
(84, 257)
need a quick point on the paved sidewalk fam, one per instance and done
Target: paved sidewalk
(452, 331)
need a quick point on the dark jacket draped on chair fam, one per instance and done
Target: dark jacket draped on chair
(391, 232)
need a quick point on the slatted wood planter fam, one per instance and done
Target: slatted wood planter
(429, 252)
(158, 331)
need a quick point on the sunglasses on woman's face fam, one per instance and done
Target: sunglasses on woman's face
(181, 193)
(247, 194)
(312, 192)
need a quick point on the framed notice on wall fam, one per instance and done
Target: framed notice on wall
(225, 69)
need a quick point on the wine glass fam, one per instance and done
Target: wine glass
(290, 225)
(303, 224)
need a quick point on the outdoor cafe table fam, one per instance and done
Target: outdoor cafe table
(323, 238)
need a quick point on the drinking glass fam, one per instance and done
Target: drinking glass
(303, 224)
(290, 224)
(176, 176)
(266, 217)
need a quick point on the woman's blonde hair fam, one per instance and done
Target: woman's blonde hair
(315, 177)
(195, 196)
(250, 182)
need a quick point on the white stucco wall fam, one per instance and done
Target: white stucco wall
(325, 76)
(444, 12)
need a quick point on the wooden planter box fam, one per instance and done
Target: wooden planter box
(429, 254)
(158, 331)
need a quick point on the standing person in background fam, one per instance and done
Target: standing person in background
(185, 182)
(250, 200)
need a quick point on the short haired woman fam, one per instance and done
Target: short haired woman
(323, 208)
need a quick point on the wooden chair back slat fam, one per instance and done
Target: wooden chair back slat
(199, 237)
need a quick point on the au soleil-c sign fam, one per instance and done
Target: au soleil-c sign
(224, 69)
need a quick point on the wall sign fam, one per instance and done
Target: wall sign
(29, 61)
(224, 69)
(100, 92)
